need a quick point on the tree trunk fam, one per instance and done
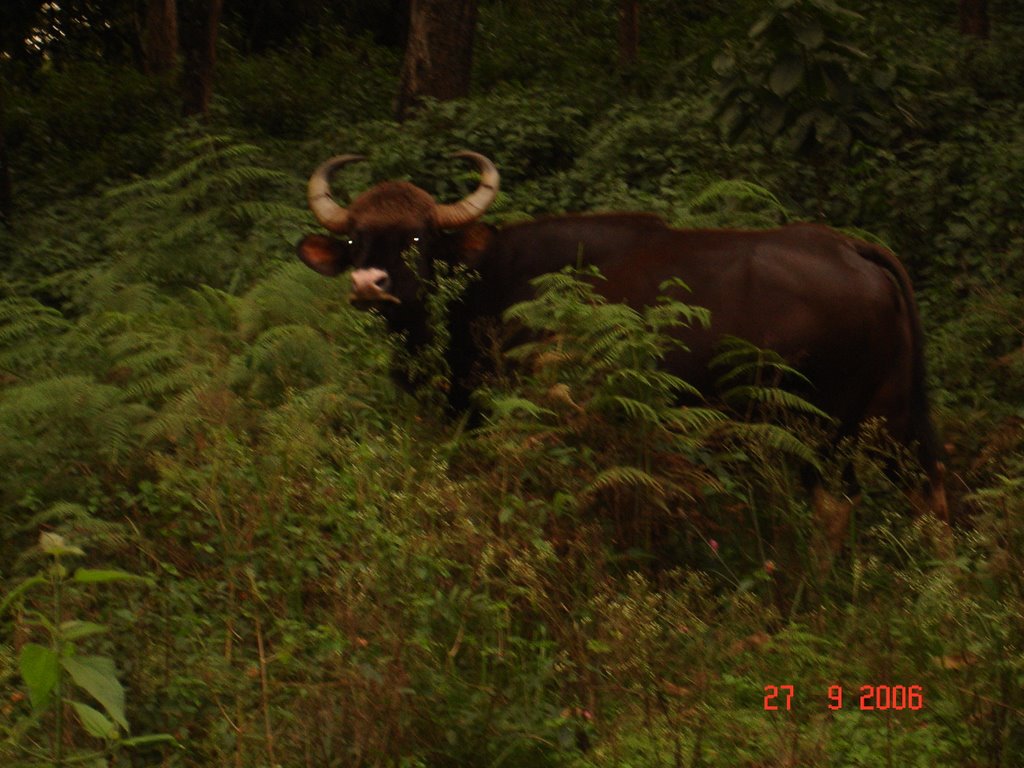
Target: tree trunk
(629, 33)
(974, 18)
(160, 37)
(438, 52)
(198, 21)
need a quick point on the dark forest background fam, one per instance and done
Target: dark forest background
(226, 538)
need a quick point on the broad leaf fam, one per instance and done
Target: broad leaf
(153, 738)
(762, 24)
(95, 722)
(95, 576)
(38, 666)
(76, 630)
(810, 34)
(884, 77)
(96, 676)
(787, 75)
(723, 63)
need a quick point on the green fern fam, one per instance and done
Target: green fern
(189, 224)
(760, 373)
(625, 476)
(774, 438)
(773, 396)
(599, 388)
(736, 189)
(53, 429)
(25, 324)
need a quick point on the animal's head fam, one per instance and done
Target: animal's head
(376, 232)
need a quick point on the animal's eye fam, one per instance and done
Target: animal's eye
(415, 238)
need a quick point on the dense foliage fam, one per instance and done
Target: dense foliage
(257, 551)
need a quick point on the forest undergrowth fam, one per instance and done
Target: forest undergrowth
(226, 538)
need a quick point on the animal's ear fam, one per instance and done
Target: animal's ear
(326, 255)
(475, 240)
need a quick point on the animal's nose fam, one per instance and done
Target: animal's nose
(371, 285)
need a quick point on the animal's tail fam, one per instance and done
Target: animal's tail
(929, 450)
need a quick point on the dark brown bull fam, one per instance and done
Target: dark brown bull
(839, 309)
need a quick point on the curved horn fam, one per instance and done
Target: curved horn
(471, 207)
(331, 215)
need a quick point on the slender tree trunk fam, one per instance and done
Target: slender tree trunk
(160, 37)
(974, 18)
(198, 21)
(438, 52)
(629, 33)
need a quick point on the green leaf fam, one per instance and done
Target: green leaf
(15, 593)
(76, 630)
(810, 34)
(787, 75)
(884, 77)
(801, 133)
(95, 723)
(777, 438)
(773, 118)
(503, 407)
(773, 396)
(732, 121)
(152, 738)
(830, 6)
(723, 63)
(849, 49)
(38, 666)
(735, 189)
(727, 88)
(97, 576)
(54, 544)
(634, 409)
(624, 476)
(762, 24)
(842, 134)
(97, 676)
(837, 83)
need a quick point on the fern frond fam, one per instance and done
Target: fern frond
(212, 307)
(75, 408)
(672, 314)
(23, 318)
(634, 409)
(654, 379)
(694, 419)
(264, 210)
(60, 512)
(628, 476)
(182, 414)
(737, 189)
(285, 297)
(775, 438)
(508, 406)
(772, 396)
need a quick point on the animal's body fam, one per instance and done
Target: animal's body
(839, 309)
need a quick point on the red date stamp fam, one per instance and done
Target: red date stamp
(869, 697)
